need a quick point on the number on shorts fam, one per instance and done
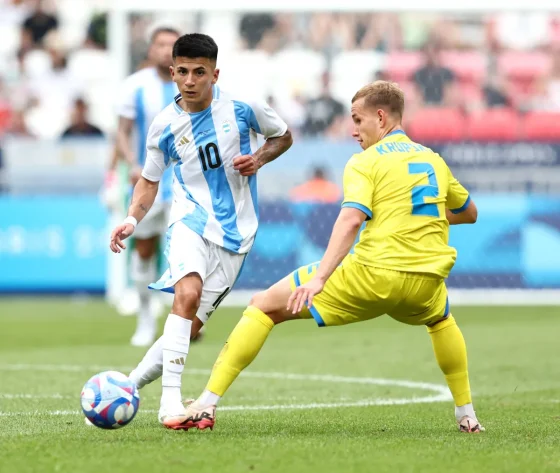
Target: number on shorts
(419, 193)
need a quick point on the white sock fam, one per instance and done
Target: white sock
(150, 368)
(466, 410)
(176, 340)
(208, 398)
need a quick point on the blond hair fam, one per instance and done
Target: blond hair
(382, 93)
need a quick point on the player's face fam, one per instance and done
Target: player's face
(194, 78)
(368, 122)
(162, 48)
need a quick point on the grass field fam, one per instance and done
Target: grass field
(50, 347)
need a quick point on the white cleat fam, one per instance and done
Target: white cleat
(172, 416)
(469, 425)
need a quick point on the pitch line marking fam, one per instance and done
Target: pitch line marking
(442, 393)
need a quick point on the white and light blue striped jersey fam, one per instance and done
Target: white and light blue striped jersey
(144, 94)
(209, 196)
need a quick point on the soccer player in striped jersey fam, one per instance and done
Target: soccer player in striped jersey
(210, 139)
(143, 95)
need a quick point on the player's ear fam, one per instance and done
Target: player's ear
(216, 74)
(172, 72)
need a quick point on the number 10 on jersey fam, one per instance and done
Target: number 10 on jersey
(209, 156)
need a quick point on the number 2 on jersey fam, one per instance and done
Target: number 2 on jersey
(419, 193)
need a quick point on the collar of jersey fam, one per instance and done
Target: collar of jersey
(396, 132)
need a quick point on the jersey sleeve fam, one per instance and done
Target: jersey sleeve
(358, 186)
(157, 159)
(458, 198)
(265, 121)
(126, 103)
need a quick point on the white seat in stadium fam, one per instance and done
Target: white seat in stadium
(101, 99)
(90, 65)
(245, 73)
(11, 36)
(37, 64)
(298, 70)
(73, 20)
(351, 70)
(47, 122)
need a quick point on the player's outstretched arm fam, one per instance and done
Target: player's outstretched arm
(143, 198)
(343, 236)
(467, 215)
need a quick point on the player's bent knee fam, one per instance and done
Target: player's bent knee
(271, 304)
(188, 292)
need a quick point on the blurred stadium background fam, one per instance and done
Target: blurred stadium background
(482, 87)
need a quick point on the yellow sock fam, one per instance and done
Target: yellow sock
(451, 355)
(241, 348)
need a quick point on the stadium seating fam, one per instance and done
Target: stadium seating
(493, 125)
(469, 66)
(436, 124)
(520, 65)
(400, 66)
(542, 126)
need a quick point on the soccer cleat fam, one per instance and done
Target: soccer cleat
(469, 425)
(194, 417)
(201, 417)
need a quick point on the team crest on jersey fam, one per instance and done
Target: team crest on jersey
(226, 125)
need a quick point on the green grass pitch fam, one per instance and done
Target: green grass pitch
(50, 347)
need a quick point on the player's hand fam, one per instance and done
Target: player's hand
(247, 165)
(304, 294)
(120, 233)
(134, 174)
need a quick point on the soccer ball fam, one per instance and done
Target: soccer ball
(110, 400)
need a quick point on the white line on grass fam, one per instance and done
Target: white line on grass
(442, 392)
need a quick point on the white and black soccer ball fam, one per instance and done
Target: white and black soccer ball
(110, 400)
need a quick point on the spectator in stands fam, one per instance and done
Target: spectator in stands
(324, 113)
(80, 127)
(433, 81)
(97, 32)
(317, 190)
(494, 92)
(254, 26)
(37, 25)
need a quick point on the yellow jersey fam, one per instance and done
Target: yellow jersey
(404, 189)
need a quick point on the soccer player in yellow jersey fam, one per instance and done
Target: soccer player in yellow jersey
(408, 197)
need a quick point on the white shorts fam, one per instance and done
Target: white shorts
(187, 252)
(154, 223)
